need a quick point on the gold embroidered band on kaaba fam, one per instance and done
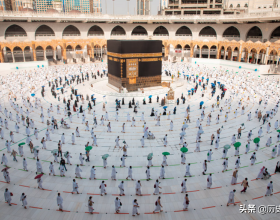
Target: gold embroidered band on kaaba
(132, 55)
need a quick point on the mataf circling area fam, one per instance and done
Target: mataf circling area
(247, 103)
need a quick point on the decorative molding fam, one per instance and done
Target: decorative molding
(132, 55)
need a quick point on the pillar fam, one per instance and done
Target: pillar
(209, 54)
(64, 54)
(34, 55)
(191, 52)
(1, 57)
(218, 55)
(266, 55)
(45, 54)
(253, 57)
(239, 56)
(225, 52)
(248, 57)
(277, 61)
(200, 50)
(23, 55)
(257, 58)
(54, 54)
(13, 56)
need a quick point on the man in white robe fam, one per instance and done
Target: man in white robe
(162, 172)
(253, 158)
(117, 205)
(92, 173)
(237, 163)
(51, 168)
(209, 155)
(75, 187)
(102, 188)
(188, 173)
(142, 141)
(24, 163)
(225, 165)
(123, 161)
(184, 186)
(114, 173)
(81, 159)
(164, 161)
(204, 166)
(39, 167)
(269, 189)
(59, 200)
(117, 142)
(130, 173)
(148, 173)
(40, 182)
(78, 172)
(157, 187)
(4, 160)
(209, 181)
(231, 198)
(23, 200)
(121, 187)
(8, 197)
(138, 188)
(165, 140)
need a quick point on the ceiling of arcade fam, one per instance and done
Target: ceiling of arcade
(91, 43)
(228, 45)
(63, 43)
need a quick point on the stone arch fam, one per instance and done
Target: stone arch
(196, 51)
(78, 47)
(183, 31)
(28, 56)
(15, 30)
(272, 56)
(139, 31)
(231, 33)
(261, 57)
(252, 55)
(44, 31)
(161, 31)
(40, 53)
(97, 51)
(8, 54)
(275, 35)
(70, 31)
(18, 54)
(95, 30)
(254, 33)
(245, 54)
(208, 31)
(204, 51)
(69, 48)
(213, 51)
(118, 30)
(222, 53)
(49, 52)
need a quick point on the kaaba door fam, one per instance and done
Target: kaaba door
(132, 80)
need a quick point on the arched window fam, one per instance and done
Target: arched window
(246, 5)
(231, 6)
(238, 6)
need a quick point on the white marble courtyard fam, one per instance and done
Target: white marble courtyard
(204, 203)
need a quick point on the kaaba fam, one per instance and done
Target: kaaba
(134, 64)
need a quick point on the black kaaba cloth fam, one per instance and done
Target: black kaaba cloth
(134, 64)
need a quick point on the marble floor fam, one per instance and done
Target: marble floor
(204, 203)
